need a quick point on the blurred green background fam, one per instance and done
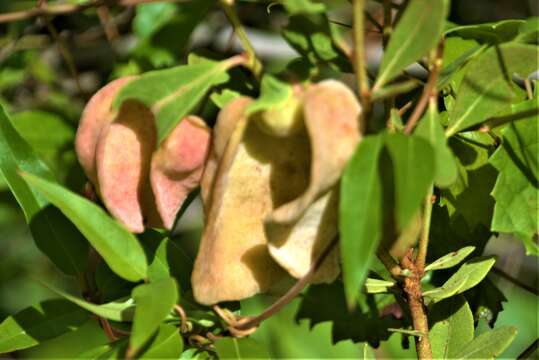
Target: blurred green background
(38, 87)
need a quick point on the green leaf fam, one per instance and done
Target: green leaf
(119, 248)
(395, 89)
(52, 232)
(485, 90)
(167, 344)
(451, 259)
(413, 170)
(431, 129)
(516, 209)
(360, 213)
(466, 277)
(489, 344)
(529, 31)
(38, 323)
(312, 37)
(374, 286)
(416, 33)
(154, 302)
(167, 258)
(272, 93)
(173, 93)
(119, 310)
(452, 327)
(232, 348)
(492, 33)
(294, 7)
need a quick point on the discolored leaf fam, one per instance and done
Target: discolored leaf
(38, 323)
(485, 90)
(97, 113)
(360, 213)
(176, 167)
(488, 345)
(123, 156)
(154, 301)
(466, 277)
(52, 232)
(451, 259)
(452, 327)
(418, 31)
(374, 286)
(119, 248)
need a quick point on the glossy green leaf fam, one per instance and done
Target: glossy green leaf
(466, 277)
(529, 31)
(154, 302)
(173, 93)
(119, 310)
(451, 259)
(232, 348)
(360, 213)
(119, 248)
(485, 90)
(516, 209)
(452, 327)
(431, 129)
(167, 344)
(38, 323)
(492, 33)
(417, 32)
(413, 169)
(52, 232)
(489, 344)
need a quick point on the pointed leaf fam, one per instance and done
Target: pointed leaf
(119, 310)
(40, 322)
(173, 93)
(154, 302)
(373, 286)
(416, 33)
(52, 232)
(118, 247)
(466, 277)
(489, 344)
(451, 259)
(360, 213)
(452, 327)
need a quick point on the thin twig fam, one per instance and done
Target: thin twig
(53, 10)
(388, 28)
(111, 31)
(502, 120)
(513, 280)
(424, 238)
(528, 86)
(529, 350)
(253, 63)
(390, 264)
(249, 323)
(360, 62)
(428, 91)
(373, 21)
(183, 318)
